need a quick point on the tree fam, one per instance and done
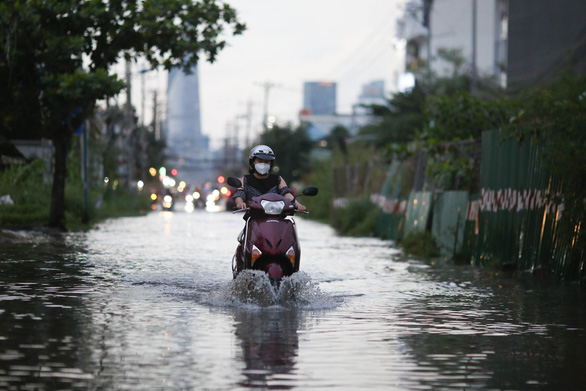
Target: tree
(46, 88)
(399, 121)
(337, 139)
(462, 116)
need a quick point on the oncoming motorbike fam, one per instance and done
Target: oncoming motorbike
(269, 240)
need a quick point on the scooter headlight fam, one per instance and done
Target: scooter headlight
(272, 207)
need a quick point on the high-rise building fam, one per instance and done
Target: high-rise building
(187, 148)
(373, 93)
(319, 98)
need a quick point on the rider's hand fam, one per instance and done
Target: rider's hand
(300, 207)
(240, 204)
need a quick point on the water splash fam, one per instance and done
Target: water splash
(253, 288)
(301, 291)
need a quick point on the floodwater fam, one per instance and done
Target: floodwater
(148, 303)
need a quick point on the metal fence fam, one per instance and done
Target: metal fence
(517, 218)
(513, 220)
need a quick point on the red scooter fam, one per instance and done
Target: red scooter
(269, 239)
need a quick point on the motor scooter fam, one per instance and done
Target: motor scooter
(269, 240)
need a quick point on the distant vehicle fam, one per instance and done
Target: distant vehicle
(168, 202)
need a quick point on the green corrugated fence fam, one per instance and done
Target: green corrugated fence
(450, 209)
(392, 199)
(516, 220)
(512, 221)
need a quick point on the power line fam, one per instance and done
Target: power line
(367, 45)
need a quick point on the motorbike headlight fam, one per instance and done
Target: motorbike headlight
(272, 207)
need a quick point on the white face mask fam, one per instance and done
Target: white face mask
(262, 168)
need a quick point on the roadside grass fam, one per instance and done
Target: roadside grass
(32, 200)
(357, 219)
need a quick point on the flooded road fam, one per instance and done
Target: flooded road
(149, 303)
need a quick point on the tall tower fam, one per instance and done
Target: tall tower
(320, 97)
(187, 148)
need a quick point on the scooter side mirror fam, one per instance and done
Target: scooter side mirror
(310, 191)
(234, 182)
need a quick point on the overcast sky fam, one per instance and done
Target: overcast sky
(288, 42)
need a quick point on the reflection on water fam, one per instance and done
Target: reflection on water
(149, 303)
(269, 343)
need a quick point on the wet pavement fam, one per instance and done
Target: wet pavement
(149, 303)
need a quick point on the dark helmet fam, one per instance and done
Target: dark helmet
(262, 152)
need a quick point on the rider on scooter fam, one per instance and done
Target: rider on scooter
(260, 181)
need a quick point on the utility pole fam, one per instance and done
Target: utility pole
(128, 89)
(427, 24)
(474, 75)
(155, 120)
(235, 145)
(143, 97)
(248, 122)
(267, 85)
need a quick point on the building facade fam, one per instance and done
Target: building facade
(476, 30)
(319, 98)
(187, 148)
(518, 43)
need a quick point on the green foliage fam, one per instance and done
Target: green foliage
(46, 41)
(123, 202)
(453, 173)
(462, 116)
(356, 219)
(292, 148)
(420, 244)
(29, 191)
(399, 122)
(320, 206)
(450, 120)
(45, 90)
(337, 139)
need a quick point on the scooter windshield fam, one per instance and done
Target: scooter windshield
(272, 207)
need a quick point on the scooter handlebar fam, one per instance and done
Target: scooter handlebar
(248, 209)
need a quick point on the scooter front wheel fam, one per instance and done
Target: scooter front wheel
(275, 273)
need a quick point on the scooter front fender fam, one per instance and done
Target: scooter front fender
(274, 237)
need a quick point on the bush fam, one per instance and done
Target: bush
(357, 219)
(420, 244)
(123, 202)
(31, 195)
